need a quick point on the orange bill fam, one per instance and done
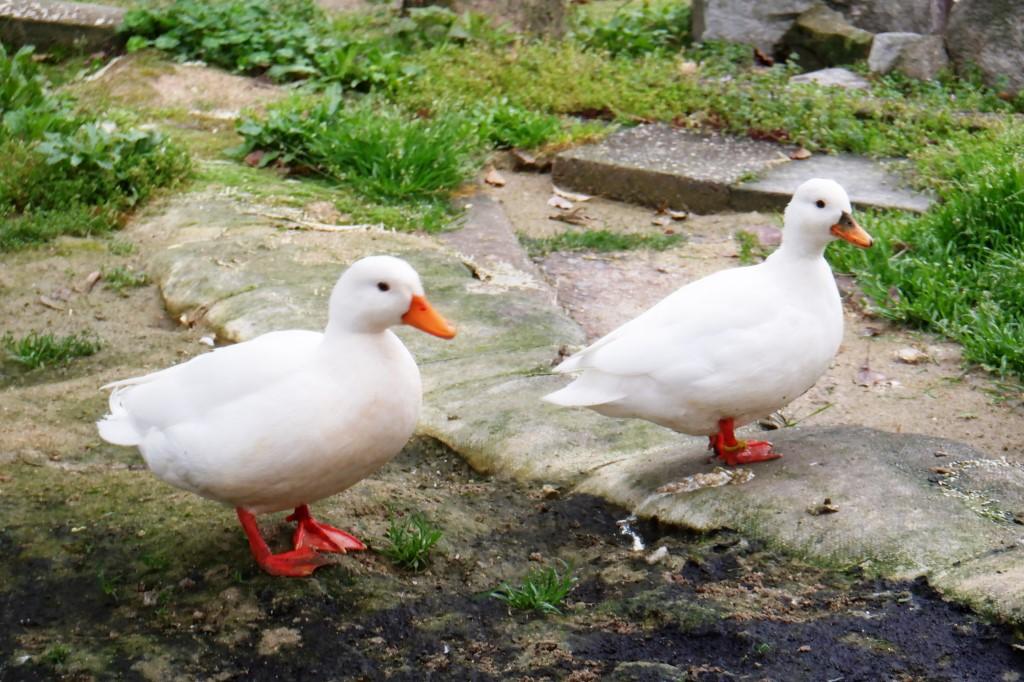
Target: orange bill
(848, 229)
(423, 316)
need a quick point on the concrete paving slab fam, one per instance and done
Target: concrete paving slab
(658, 165)
(67, 24)
(869, 183)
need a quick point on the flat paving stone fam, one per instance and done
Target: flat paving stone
(658, 165)
(869, 184)
(66, 24)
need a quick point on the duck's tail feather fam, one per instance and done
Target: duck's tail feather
(118, 427)
(589, 389)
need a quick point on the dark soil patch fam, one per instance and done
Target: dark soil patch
(719, 607)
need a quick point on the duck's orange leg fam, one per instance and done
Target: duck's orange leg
(296, 564)
(311, 534)
(734, 452)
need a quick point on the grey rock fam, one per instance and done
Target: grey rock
(657, 165)
(989, 35)
(884, 16)
(835, 76)
(918, 56)
(759, 23)
(822, 37)
(488, 238)
(65, 24)
(869, 183)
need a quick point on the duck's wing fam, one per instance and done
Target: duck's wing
(192, 388)
(687, 329)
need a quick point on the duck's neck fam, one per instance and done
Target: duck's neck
(795, 250)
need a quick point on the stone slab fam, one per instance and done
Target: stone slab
(658, 165)
(65, 24)
(869, 183)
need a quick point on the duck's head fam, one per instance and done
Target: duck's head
(820, 212)
(379, 292)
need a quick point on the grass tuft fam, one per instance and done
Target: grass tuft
(543, 589)
(599, 240)
(120, 278)
(410, 540)
(36, 350)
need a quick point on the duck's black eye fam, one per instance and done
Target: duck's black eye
(383, 286)
(820, 203)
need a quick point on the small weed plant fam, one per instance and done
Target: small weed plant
(600, 241)
(120, 278)
(410, 540)
(543, 589)
(65, 172)
(636, 30)
(36, 350)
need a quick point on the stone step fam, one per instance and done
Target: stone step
(658, 165)
(65, 24)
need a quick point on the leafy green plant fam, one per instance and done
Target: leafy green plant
(599, 240)
(543, 589)
(120, 278)
(410, 540)
(750, 250)
(505, 124)
(36, 350)
(56, 655)
(637, 30)
(372, 146)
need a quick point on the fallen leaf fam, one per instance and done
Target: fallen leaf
(5, 479)
(826, 507)
(548, 490)
(804, 649)
(800, 154)
(558, 202)
(761, 58)
(208, 341)
(50, 303)
(575, 216)
(494, 178)
(868, 377)
(254, 158)
(571, 196)
(526, 161)
(911, 355)
(1018, 517)
(89, 282)
(942, 471)
(870, 331)
(772, 422)
(662, 221)
(677, 215)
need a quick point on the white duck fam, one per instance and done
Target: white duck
(731, 347)
(289, 417)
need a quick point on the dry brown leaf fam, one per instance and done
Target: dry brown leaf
(800, 154)
(51, 303)
(870, 331)
(662, 221)
(559, 202)
(494, 178)
(826, 507)
(571, 196)
(89, 282)
(911, 355)
(677, 215)
(575, 216)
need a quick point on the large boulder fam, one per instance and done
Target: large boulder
(912, 54)
(822, 37)
(989, 35)
(75, 25)
(886, 16)
(760, 23)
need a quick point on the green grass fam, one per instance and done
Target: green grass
(65, 171)
(120, 278)
(957, 269)
(56, 655)
(749, 249)
(410, 540)
(36, 350)
(543, 589)
(600, 241)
